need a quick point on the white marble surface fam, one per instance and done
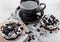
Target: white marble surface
(7, 6)
(53, 7)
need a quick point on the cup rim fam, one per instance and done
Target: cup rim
(28, 8)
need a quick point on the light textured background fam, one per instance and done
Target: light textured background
(7, 6)
(53, 7)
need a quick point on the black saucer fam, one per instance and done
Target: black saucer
(31, 18)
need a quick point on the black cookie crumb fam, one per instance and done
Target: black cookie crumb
(41, 34)
(18, 31)
(32, 35)
(21, 28)
(40, 26)
(29, 39)
(50, 31)
(38, 30)
(30, 32)
(35, 25)
(33, 38)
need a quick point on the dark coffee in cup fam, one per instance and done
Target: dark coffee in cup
(29, 5)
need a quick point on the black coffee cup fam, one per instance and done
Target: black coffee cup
(29, 9)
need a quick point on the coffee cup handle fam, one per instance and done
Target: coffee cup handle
(43, 7)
